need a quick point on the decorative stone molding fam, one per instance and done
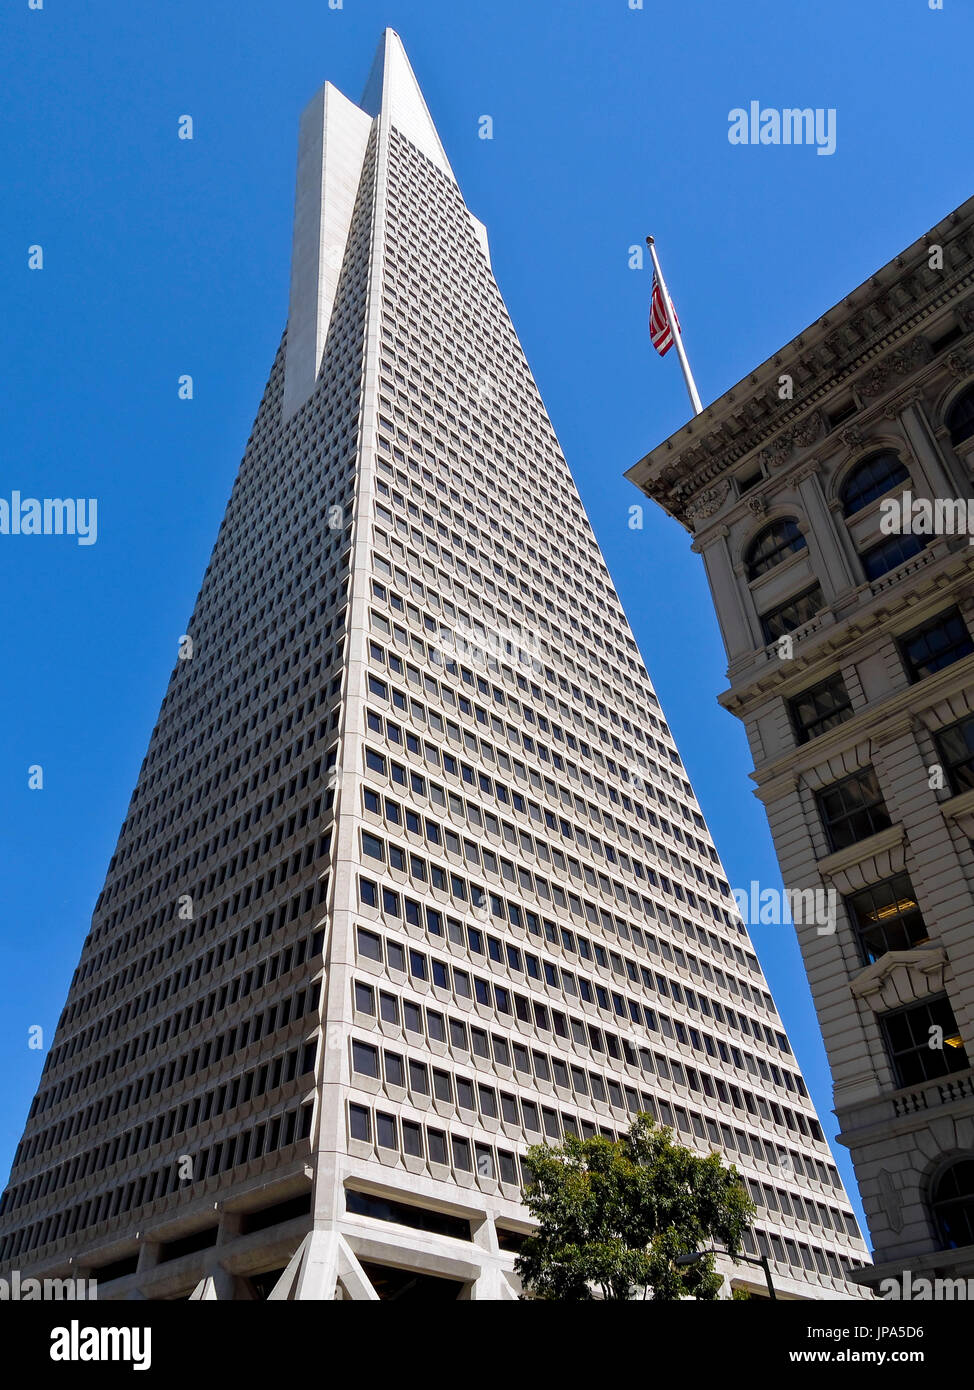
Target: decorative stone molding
(869, 861)
(875, 380)
(959, 364)
(757, 505)
(807, 431)
(852, 437)
(901, 977)
(890, 1200)
(778, 450)
(708, 503)
(960, 809)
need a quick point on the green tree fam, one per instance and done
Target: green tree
(614, 1216)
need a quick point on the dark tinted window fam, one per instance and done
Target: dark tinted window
(938, 643)
(871, 479)
(852, 809)
(911, 1040)
(820, 708)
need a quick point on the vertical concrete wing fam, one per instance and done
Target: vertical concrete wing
(331, 147)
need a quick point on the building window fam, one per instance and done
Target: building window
(793, 614)
(359, 1126)
(820, 708)
(891, 551)
(960, 417)
(364, 999)
(871, 479)
(365, 1059)
(956, 748)
(923, 1042)
(938, 643)
(772, 545)
(886, 918)
(385, 1131)
(852, 809)
(369, 945)
(412, 1139)
(952, 1205)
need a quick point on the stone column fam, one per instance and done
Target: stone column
(735, 624)
(822, 523)
(927, 455)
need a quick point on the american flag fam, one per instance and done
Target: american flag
(659, 328)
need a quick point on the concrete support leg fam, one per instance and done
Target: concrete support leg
(323, 1262)
(492, 1283)
(218, 1285)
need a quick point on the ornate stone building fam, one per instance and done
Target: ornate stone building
(824, 493)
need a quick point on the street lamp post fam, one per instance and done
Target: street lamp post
(762, 1261)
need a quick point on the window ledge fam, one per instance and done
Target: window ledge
(901, 977)
(867, 861)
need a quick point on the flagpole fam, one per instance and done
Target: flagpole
(675, 331)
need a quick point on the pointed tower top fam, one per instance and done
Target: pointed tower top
(392, 89)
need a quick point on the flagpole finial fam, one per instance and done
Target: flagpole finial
(650, 241)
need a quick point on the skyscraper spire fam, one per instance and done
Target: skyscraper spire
(392, 89)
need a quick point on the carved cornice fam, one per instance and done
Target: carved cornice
(708, 503)
(869, 341)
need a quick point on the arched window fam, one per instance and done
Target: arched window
(960, 417)
(772, 545)
(952, 1205)
(871, 479)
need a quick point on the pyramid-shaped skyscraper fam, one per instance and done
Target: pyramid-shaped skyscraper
(413, 876)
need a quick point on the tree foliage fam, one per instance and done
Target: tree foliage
(615, 1215)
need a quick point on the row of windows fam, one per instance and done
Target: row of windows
(268, 1135)
(470, 638)
(188, 773)
(395, 906)
(165, 1125)
(192, 1014)
(262, 1024)
(530, 1065)
(391, 1133)
(599, 1041)
(399, 907)
(527, 881)
(871, 479)
(400, 700)
(243, 792)
(614, 656)
(274, 877)
(194, 970)
(782, 538)
(492, 787)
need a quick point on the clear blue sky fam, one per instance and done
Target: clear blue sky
(164, 257)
